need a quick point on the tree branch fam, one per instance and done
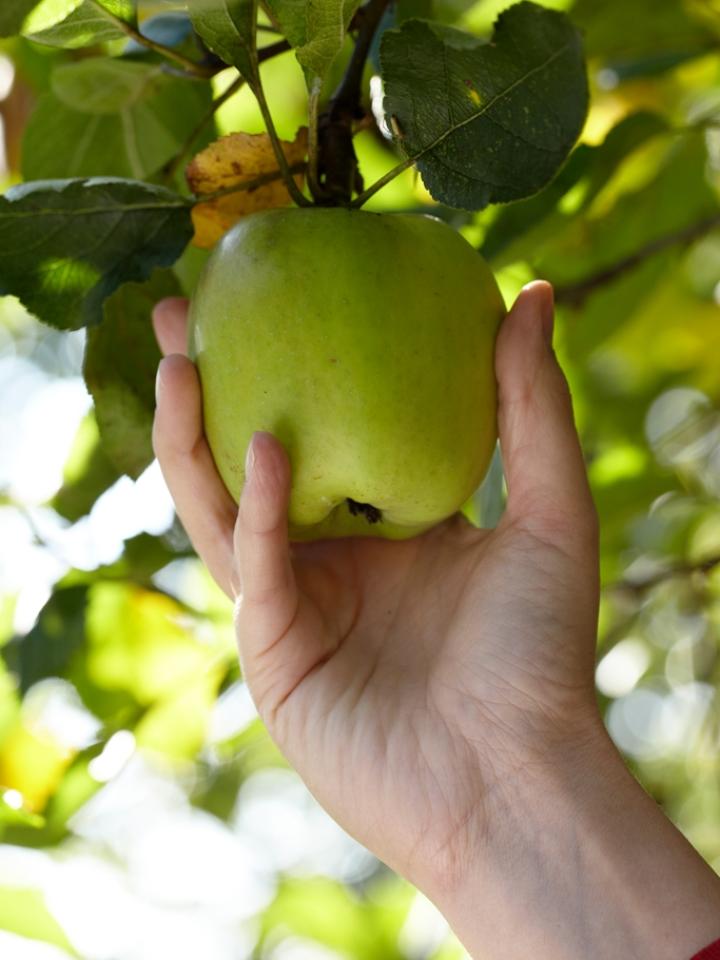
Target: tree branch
(337, 166)
(260, 181)
(173, 165)
(189, 66)
(575, 294)
(680, 570)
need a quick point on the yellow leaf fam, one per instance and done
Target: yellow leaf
(239, 158)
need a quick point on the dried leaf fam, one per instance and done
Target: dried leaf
(234, 160)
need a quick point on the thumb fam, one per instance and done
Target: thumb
(281, 640)
(265, 580)
(547, 480)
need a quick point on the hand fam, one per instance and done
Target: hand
(409, 681)
(436, 694)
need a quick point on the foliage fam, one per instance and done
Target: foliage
(123, 716)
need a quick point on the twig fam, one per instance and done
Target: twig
(575, 294)
(195, 69)
(313, 120)
(253, 184)
(295, 192)
(363, 197)
(264, 54)
(680, 570)
(171, 168)
(337, 165)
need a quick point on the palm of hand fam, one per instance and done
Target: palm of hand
(420, 658)
(404, 680)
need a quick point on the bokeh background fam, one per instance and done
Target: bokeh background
(144, 812)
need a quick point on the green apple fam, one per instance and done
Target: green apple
(364, 342)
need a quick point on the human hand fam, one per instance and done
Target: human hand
(436, 694)
(408, 682)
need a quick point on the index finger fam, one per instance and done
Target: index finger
(170, 324)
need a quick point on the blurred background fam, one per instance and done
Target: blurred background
(144, 812)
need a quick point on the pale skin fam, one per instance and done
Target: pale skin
(436, 695)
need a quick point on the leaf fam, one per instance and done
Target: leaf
(90, 23)
(346, 922)
(111, 118)
(227, 28)
(11, 815)
(586, 172)
(317, 30)
(173, 29)
(88, 473)
(23, 911)
(59, 632)
(668, 35)
(12, 15)
(486, 122)
(67, 245)
(233, 160)
(678, 197)
(121, 361)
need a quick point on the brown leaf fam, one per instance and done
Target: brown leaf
(234, 160)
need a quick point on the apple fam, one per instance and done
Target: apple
(364, 342)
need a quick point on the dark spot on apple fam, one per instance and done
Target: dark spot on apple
(367, 510)
(333, 359)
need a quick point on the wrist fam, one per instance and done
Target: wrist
(572, 858)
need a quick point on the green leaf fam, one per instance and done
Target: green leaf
(46, 651)
(668, 35)
(486, 122)
(346, 921)
(10, 815)
(102, 85)
(90, 23)
(121, 360)
(111, 118)
(12, 15)
(24, 911)
(88, 473)
(227, 27)
(317, 30)
(586, 172)
(67, 245)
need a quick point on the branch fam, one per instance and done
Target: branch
(260, 181)
(172, 166)
(293, 189)
(575, 294)
(401, 167)
(336, 163)
(348, 96)
(189, 66)
(680, 570)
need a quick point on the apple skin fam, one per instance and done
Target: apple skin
(364, 342)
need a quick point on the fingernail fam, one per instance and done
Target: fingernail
(547, 316)
(250, 459)
(158, 383)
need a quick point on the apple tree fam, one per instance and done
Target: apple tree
(563, 141)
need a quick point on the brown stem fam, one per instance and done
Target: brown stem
(575, 294)
(338, 176)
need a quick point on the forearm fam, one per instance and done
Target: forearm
(581, 864)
